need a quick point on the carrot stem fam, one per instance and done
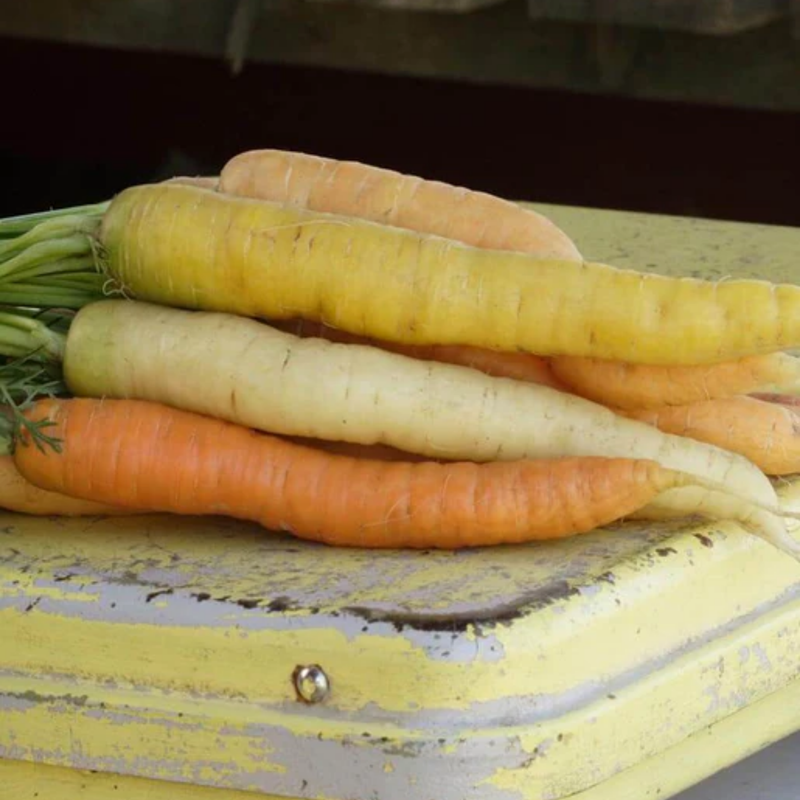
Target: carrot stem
(21, 224)
(51, 230)
(78, 244)
(22, 336)
(35, 295)
(60, 266)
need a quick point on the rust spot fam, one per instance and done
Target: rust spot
(33, 604)
(247, 603)
(201, 597)
(704, 540)
(607, 577)
(665, 551)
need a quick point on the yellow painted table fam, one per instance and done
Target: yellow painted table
(175, 658)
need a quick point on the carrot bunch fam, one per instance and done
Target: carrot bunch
(370, 359)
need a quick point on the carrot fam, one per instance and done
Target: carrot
(21, 496)
(637, 386)
(391, 198)
(149, 456)
(244, 371)
(767, 433)
(519, 366)
(187, 246)
(379, 195)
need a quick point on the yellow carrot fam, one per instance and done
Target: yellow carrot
(187, 246)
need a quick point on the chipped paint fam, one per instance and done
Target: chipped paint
(437, 714)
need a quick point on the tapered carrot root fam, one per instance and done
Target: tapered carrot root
(149, 456)
(191, 247)
(767, 433)
(21, 496)
(637, 386)
(391, 198)
(519, 366)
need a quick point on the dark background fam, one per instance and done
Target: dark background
(80, 123)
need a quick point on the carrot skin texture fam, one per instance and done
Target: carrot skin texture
(246, 372)
(150, 456)
(767, 433)
(392, 198)
(21, 496)
(191, 247)
(639, 386)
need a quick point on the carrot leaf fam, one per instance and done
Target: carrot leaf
(22, 380)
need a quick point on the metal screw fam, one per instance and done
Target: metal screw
(312, 683)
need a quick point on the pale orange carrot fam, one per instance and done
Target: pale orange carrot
(520, 366)
(635, 386)
(391, 198)
(21, 496)
(149, 456)
(764, 431)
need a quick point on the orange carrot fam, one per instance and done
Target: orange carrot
(391, 198)
(149, 456)
(636, 386)
(520, 366)
(21, 496)
(766, 432)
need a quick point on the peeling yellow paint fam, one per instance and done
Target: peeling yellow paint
(699, 689)
(669, 772)
(549, 652)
